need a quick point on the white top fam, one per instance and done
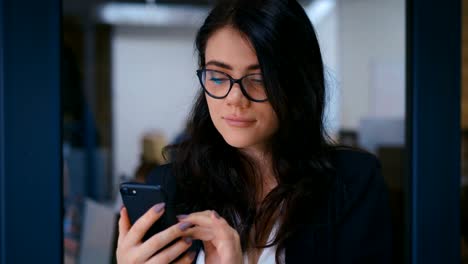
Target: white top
(266, 257)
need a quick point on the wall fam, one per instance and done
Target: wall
(326, 29)
(371, 42)
(464, 77)
(154, 83)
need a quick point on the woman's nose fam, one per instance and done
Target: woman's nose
(236, 97)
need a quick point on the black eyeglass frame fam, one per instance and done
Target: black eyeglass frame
(232, 82)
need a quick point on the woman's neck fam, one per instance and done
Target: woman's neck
(262, 160)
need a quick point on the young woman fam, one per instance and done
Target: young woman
(257, 180)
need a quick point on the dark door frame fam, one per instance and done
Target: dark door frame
(433, 129)
(30, 132)
(30, 137)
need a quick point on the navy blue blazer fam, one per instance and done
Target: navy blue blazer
(358, 208)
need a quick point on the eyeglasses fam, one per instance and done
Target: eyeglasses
(218, 84)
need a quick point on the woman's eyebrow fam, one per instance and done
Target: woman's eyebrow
(219, 64)
(253, 67)
(226, 66)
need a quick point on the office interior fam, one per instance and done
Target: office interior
(129, 65)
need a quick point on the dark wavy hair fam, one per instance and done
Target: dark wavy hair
(214, 175)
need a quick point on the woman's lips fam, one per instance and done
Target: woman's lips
(239, 121)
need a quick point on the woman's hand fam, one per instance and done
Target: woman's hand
(130, 249)
(221, 242)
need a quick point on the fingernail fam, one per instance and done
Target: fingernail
(182, 216)
(216, 214)
(188, 240)
(192, 254)
(184, 226)
(159, 207)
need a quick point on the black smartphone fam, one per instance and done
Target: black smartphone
(138, 198)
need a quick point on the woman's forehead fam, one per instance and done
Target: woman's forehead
(227, 45)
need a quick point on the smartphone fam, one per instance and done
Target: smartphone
(138, 198)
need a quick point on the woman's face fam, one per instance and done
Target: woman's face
(243, 123)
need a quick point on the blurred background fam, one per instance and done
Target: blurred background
(128, 82)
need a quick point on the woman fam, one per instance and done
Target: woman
(257, 180)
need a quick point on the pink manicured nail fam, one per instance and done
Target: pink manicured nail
(192, 254)
(182, 216)
(216, 214)
(188, 240)
(159, 207)
(184, 226)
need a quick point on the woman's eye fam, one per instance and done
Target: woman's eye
(256, 81)
(218, 80)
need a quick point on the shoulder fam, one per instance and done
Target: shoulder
(359, 211)
(353, 165)
(358, 180)
(355, 168)
(362, 208)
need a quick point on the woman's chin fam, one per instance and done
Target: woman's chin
(238, 142)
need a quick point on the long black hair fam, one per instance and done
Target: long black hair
(213, 175)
